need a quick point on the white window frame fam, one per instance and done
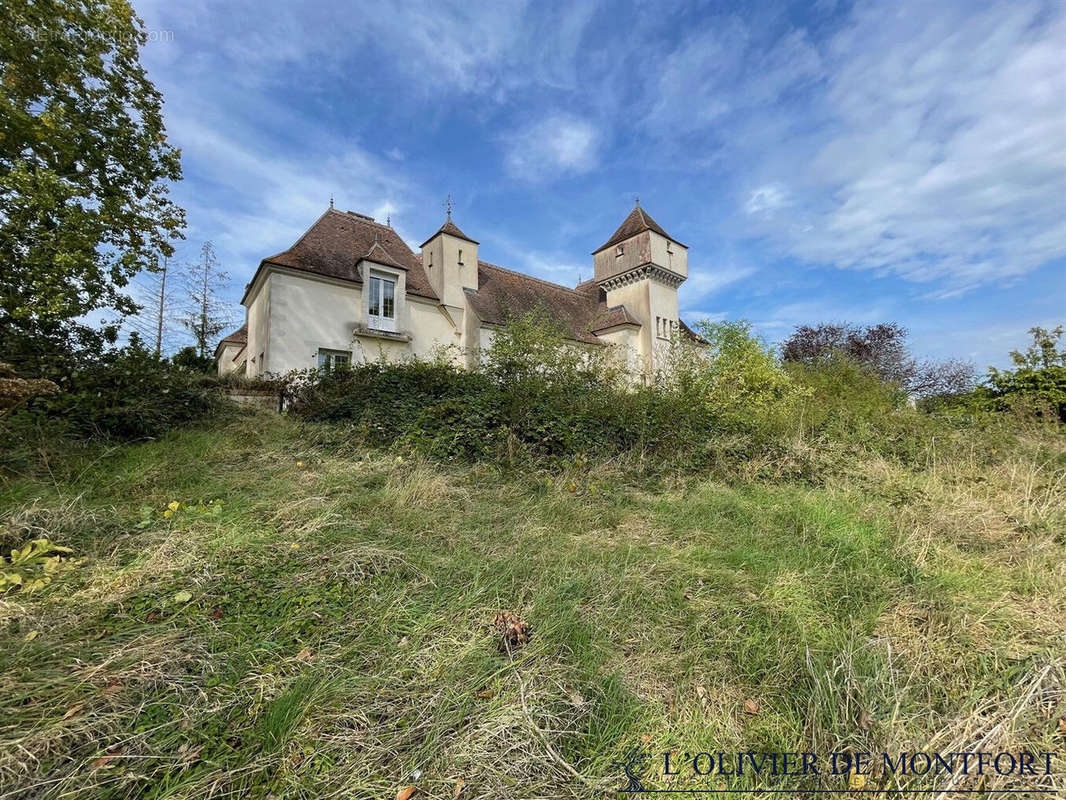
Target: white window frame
(374, 275)
(378, 317)
(327, 358)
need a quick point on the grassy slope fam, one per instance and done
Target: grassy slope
(337, 637)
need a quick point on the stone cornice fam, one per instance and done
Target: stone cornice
(643, 272)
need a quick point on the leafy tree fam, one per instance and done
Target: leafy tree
(190, 359)
(1039, 383)
(1043, 352)
(207, 315)
(85, 168)
(733, 375)
(881, 348)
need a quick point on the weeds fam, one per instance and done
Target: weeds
(320, 630)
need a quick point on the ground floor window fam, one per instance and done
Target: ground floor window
(329, 360)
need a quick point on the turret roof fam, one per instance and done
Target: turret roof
(638, 221)
(451, 229)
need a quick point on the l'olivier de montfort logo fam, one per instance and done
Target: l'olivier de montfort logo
(642, 768)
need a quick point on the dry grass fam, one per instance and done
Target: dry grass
(336, 640)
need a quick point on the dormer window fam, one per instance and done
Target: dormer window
(382, 311)
(619, 250)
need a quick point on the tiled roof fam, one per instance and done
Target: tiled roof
(638, 221)
(503, 294)
(451, 229)
(335, 244)
(687, 332)
(239, 336)
(380, 255)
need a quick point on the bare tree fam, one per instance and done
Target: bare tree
(207, 315)
(157, 297)
(882, 348)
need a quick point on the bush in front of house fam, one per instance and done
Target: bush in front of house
(534, 393)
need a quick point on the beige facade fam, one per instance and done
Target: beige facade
(351, 290)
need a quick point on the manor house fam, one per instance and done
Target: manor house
(350, 288)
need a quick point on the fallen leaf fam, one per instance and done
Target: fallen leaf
(856, 780)
(192, 754)
(216, 614)
(1062, 726)
(304, 655)
(29, 637)
(460, 784)
(485, 694)
(104, 760)
(575, 698)
(182, 596)
(112, 686)
(865, 720)
(751, 707)
(645, 738)
(74, 709)
(406, 792)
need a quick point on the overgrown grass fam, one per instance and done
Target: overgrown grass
(327, 632)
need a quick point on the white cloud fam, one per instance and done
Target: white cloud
(765, 200)
(433, 46)
(942, 156)
(720, 71)
(254, 200)
(699, 315)
(703, 282)
(560, 144)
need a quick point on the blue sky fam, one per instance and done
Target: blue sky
(828, 161)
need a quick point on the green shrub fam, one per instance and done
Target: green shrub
(125, 394)
(731, 382)
(538, 393)
(1039, 392)
(1035, 391)
(725, 403)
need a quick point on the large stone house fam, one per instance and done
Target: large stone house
(350, 288)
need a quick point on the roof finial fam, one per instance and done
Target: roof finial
(388, 220)
(636, 200)
(448, 206)
(331, 199)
